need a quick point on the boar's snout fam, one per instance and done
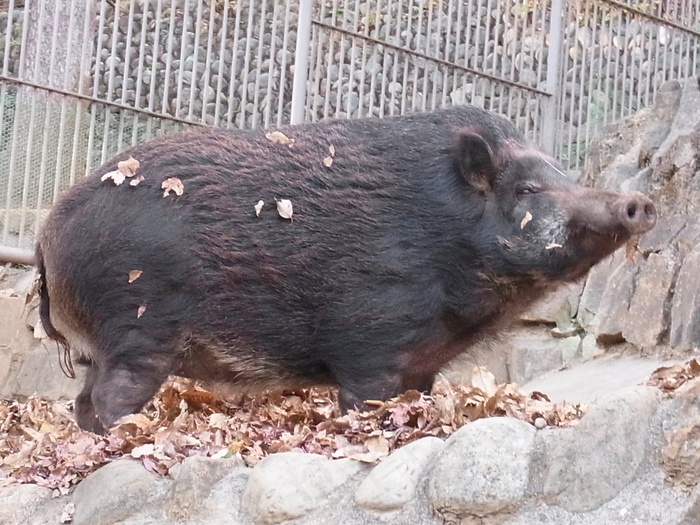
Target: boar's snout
(637, 213)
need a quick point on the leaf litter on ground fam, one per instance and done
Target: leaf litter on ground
(40, 443)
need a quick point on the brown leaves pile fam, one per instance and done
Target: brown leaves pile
(41, 444)
(671, 378)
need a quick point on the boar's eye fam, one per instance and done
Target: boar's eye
(526, 189)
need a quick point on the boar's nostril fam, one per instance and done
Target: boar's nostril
(650, 211)
(639, 214)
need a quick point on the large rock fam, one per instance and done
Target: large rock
(582, 468)
(646, 320)
(393, 483)
(288, 485)
(194, 495)
(116, 492)
(685, 317)
(483, 470)
(29, 505)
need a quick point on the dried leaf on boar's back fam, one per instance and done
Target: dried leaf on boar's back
(284, 208)
(172, 184)
(278, 137)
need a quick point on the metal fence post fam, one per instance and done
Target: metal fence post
(301, 61)
(556, 36)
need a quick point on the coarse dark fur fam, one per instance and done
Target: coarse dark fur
(400, 253)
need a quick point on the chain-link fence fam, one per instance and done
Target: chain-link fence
(83, 79)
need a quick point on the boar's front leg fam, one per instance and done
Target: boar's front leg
(85, 413)
(121, 382)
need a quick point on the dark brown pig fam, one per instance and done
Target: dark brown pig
(410, 237)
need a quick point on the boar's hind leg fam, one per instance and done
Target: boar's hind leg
(122, 383)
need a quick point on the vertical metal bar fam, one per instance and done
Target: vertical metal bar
(261, 41)
(407, 60)
(301, 61)
(222, 56)
(428, 65)
(418, 47)
(329, 57)
(283, 65)
(181, 66)
(195, 62)
(271, 68)
(395, 65)
(318, 33)
(234, 62)
(458, 41)
(207, 65)
(363, 66)
(593, 25)
(351, 73)
(142, 56)
(156, 57)
(166, 102)
(556, 34)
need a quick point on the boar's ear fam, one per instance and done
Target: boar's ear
(475, 160)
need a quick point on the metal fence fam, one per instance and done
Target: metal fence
(81, 80)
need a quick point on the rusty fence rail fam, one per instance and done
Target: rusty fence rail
(81, 80)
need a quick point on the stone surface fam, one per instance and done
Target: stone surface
(11, 308)
(36, 370)
(191, 495)
(102, 497)
(28, 505)
(588, 465)
(595, 380)
(556, 307)
(289, 485)
(648, 500)
(611, 316)
(646, 320)
(393, 482)
(483, 469)
(532, 357)
(685, 310)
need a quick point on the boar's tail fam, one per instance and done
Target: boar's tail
(64, 358)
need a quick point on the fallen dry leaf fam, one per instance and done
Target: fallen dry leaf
(136, 181)
(129, 166)
(331, 150)
(526, 219)
(284, 208)
(258, 208)
(134, 274)
(116, 176)
(172, 184)
(279, 138)
(140, 312)
(67, 514)
(484, 381)
(328, 162)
